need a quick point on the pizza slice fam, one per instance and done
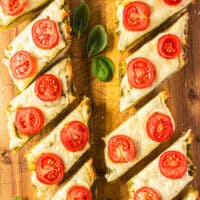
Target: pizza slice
(153, 63)
(138, 136)
(14, 12)
(40, 103)
(141, 19)
(191, 194)
(166, 176)
(61, 149)
(79, 186)
(38, 44)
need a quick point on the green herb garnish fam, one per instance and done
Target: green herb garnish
(102, 68)
(80, 19)
(17, 198)
(97, 40)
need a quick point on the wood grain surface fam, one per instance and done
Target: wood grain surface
(184, 102)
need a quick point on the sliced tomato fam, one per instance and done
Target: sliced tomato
(159, 127)
(29, 120)
(136, 16)
(22, 65)
(172, 2)
(146, 193)
(45, 33)
(13, 7)
(77, 192)
(74, 136)
(121, 149)
(48, 87)
(49, 169)
(140, 72)
(169, 46)
(173, 164)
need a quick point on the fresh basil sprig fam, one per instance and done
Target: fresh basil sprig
(97, 40)
(17, 198)
(80, 18)
(103, 68)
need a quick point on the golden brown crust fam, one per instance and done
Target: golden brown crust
(91, 171)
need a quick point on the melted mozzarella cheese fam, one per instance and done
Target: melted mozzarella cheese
(135, 127)
(53, 144)
(49, 109)
(160, 12)
(151, 176)
(84, 177)
(163, 67)
(31, 5)
(25, 42)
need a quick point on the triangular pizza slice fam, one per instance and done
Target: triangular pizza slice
(166, 176)
(153, 63)
(55, 155)
(137, 137)
(139, 19)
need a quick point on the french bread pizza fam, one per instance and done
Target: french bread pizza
(137, 137)
(166, 176)
(153, 63)
(60, 150)
(40, 103)
(140, 19)
(79, 186)
(31, 52)
(12, 12)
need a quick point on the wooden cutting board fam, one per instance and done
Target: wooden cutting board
(184, 89)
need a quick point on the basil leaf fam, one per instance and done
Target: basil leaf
(17, 198)
(97, 40)
(80, 19)
(102, 68)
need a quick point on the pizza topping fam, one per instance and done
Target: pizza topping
(74, 136)
(13, 7)
(173, 164)
(169, 46)
(22, 65)
(136, 16)
(48, 87)
(29, 120)
(79, 193)
(45, 33)
(121, 149)
(172, 2)
(140, 72)
(159, 127)
(49, 169)
(146, 193)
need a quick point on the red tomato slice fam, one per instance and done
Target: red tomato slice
(45, 33)
(172, 2)
(146, 193)
(49, 169)
(22, 65)
(74, 136)
(173, 164)
(29, 120)
(13, 7)
(169, 46)
(136, 16)
(159, 127)
(48, 87)
(79, 193)
(140, 72)
(121, 149)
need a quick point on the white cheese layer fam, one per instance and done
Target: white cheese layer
(160, 12)
(53, 144)
(84, 177)
(31, 5)
(135, 128)
(163, 67)
(151, 176)
(25, 42)
(50, 110)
